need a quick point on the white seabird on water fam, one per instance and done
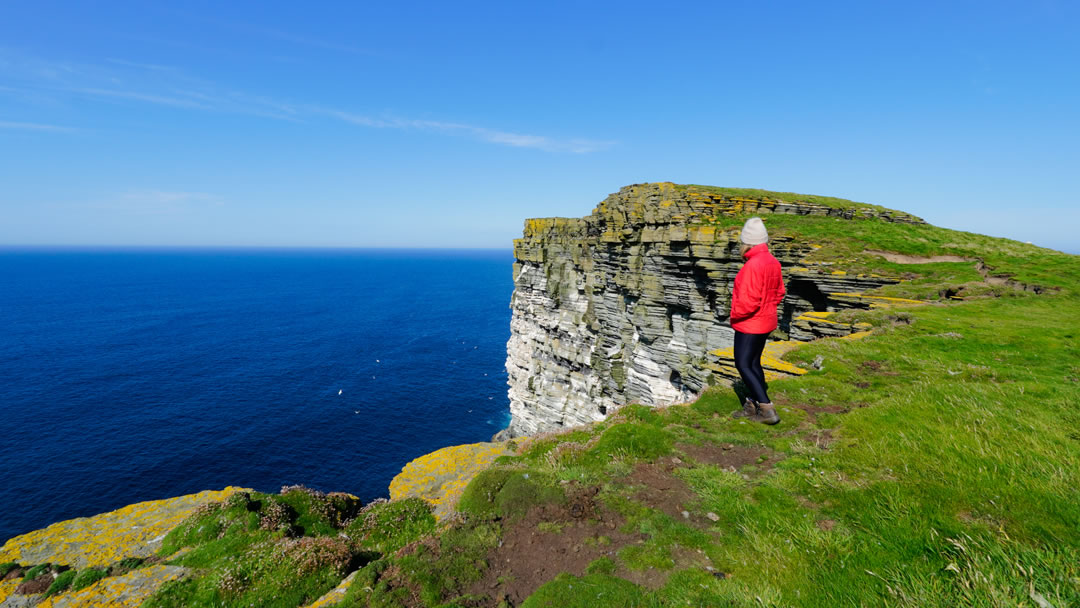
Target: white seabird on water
(339, 391)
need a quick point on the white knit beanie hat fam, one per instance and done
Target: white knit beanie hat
(753, 232)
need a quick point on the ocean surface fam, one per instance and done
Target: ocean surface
(131, 375)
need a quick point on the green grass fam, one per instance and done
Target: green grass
(787, 197)
(282, 550)
(433, 574)
(87, 577)
(61, 583)
(130, 563)
(386, 527)
(603, 565)
(947, 477)
(7, 567)
(36, 571)
(589, 591)
(508, 493)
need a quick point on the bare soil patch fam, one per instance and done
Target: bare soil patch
(724, 455)
(574, 535)
(661, 490)
(37, 585)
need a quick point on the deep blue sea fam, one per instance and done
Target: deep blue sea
(131, 375)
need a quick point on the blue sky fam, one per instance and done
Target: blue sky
(447, 124)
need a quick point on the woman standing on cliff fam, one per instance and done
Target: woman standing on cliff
(759, 289)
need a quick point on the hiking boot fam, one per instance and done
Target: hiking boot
(766, 414)
(749, 410)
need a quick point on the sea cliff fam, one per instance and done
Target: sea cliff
(630, 304)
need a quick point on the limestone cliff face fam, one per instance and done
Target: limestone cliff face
(630, 304)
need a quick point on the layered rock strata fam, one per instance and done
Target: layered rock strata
(630, 304)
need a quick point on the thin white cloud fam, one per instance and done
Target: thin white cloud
(506, 138)
(34, 126)
(149, 83)
(303, 40)
(153, 67)
(145, 97)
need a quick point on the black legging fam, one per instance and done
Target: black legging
(748, 349)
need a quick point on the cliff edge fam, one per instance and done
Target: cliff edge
(630, 304)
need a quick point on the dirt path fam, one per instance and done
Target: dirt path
(900, 258)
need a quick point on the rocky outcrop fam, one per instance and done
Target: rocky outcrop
(102, 541)
(126, 590)
(133, 531)
(630, 304)
(441, 476)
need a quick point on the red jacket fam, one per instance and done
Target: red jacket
(759, 288)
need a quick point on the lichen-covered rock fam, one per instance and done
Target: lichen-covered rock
(630, 304)
(127, 590)
(722, 362)
(441, 476)
(813, 325)
(21, 601)
(133, 531)
(6, 589)
(335, 595)
(861, 300)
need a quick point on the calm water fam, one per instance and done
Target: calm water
(136, 375)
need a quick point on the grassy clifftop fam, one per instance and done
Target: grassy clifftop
(786, 197)
(933, 463)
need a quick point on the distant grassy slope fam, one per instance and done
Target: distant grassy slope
(845, 244)
(934, 463)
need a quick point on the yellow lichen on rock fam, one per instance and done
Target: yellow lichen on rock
(856, 336)
(877, 301)
(817, 324)
(133, 531)
(817, 316)
(441, 476)
(335, 595)
(771, 362)
(7, 588)
(702, 234)
(127, 590)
